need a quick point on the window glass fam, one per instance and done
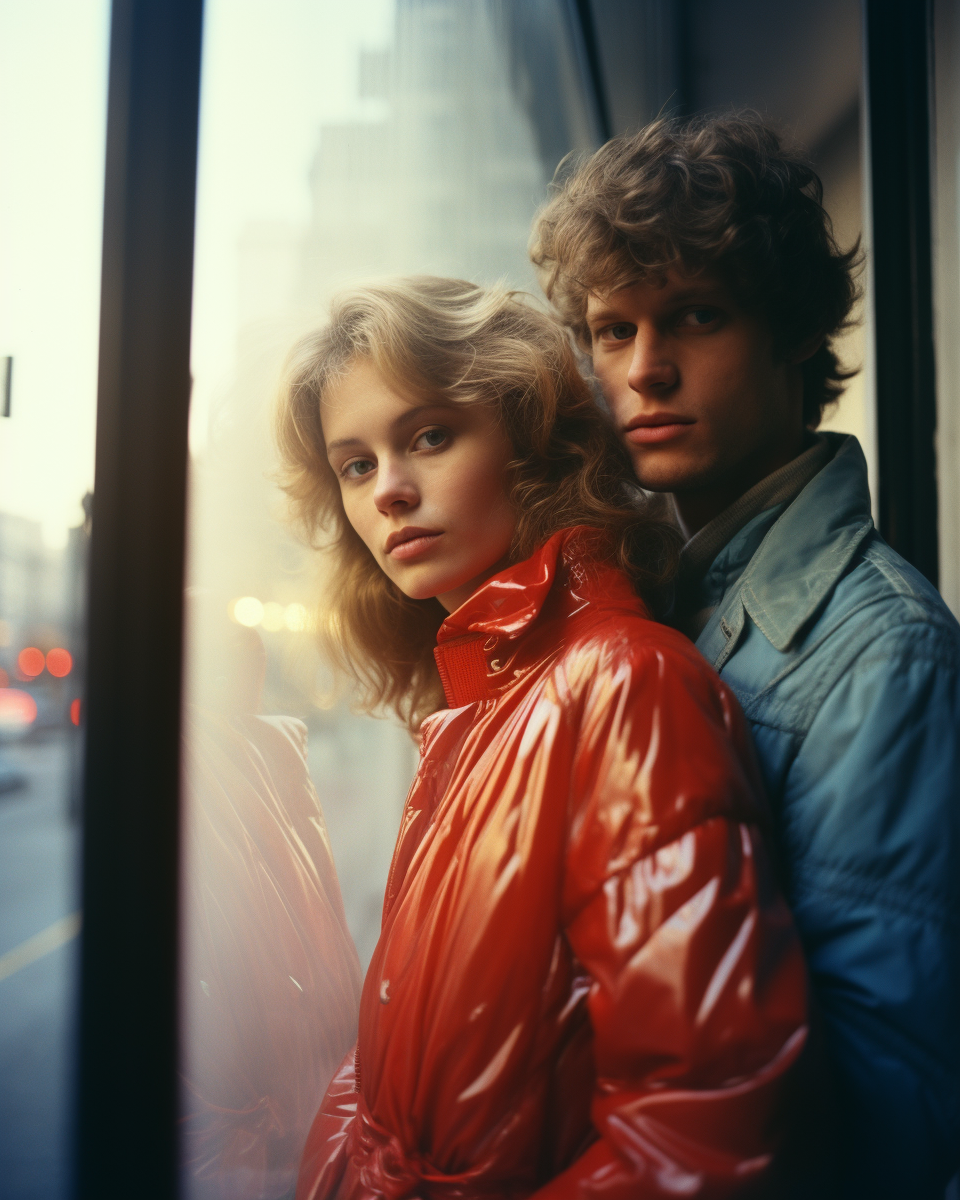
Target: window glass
(53, 72)
(338, 143)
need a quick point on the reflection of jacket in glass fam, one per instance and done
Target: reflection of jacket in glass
(271, 975)
(585, 973)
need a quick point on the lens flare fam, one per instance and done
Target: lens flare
(31, 661)
(59, 662)
(18, 710)
(248, 611)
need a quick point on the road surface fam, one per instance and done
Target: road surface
(38, 926)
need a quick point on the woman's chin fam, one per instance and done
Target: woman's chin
(452, 589)
(428, 589)
(419, 594)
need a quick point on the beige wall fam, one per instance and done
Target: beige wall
(839, 163)
(946, 271)
(811, 95)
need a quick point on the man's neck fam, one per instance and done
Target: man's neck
(697, 508)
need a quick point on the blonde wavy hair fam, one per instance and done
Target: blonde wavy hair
(449, 341)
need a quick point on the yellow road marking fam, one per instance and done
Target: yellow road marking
(51, 938)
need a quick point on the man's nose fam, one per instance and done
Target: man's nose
(395, 490)
(652, 370)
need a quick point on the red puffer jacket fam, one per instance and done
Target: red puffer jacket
(586, 983)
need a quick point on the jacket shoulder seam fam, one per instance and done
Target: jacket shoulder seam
(947, 652)
(883, 565)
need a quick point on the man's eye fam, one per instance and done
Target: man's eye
(700, 316)
(430, 439)
(356, 468)
(620, 332)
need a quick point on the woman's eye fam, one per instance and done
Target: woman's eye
(621, 331)
(357, 468)
(430, 439)
(700, 316)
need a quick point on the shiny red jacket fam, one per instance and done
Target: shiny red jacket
(586, 982)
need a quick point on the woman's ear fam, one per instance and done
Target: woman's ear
(806, 349)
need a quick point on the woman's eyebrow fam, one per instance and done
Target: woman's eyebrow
(342, 443)
(407, 417)
(417, 413)
(414, 413)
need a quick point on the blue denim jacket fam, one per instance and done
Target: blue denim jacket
(847, 664)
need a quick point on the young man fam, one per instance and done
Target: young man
(695, 264)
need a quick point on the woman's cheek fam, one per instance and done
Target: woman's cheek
(358, 519)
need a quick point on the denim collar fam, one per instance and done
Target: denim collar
(800, 559)
(777, 490)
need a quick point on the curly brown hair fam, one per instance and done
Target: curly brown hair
(454, 342)
(719, 194)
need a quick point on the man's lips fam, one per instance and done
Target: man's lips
(404, 544)
(656, 427)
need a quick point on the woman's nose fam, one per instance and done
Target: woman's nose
(652, 370)
(395, 490)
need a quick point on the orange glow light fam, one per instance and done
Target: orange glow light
(59, 662)
(75, 711)
(17, 709)
(31, 661)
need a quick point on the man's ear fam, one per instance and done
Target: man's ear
(807, 349)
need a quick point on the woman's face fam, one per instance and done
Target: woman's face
(423, 484)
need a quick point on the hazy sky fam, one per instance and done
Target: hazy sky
(53, 57)
(274, 70)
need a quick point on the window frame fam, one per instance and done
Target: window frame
(127, 1089)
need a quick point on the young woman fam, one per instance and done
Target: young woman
(586, 983)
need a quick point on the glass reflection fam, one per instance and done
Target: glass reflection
(53, 75)
(272, 975)
(337, 143)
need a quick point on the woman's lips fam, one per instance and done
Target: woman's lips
(645, 431)
(412, 546)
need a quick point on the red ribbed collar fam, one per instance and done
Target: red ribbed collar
(469, 649)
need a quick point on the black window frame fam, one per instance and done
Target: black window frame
(127, 1091)
(898, 74)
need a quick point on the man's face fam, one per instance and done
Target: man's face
(704, 405)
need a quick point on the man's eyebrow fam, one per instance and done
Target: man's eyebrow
(604, 314)
(706, 292)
